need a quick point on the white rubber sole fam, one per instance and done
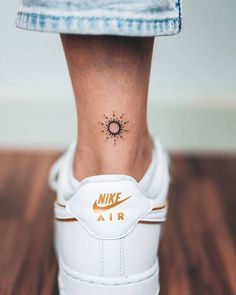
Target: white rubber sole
(74, 286)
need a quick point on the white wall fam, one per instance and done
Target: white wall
(193, 72)
(198, 67)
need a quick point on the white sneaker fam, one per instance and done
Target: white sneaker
(108, 228)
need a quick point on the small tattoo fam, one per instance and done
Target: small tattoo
(114, 127)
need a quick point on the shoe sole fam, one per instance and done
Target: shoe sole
(74, 286)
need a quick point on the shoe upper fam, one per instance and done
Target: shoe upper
(108, 226)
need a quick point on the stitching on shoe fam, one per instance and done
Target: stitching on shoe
(102, 258)
(107, 284)
(120, 257)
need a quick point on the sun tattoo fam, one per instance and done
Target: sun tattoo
(114, 127)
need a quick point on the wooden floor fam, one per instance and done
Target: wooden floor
(198, 250)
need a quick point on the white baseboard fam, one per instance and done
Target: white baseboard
(31, 124)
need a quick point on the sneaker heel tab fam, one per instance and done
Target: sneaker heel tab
(109, 206)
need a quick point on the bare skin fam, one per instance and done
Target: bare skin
(110, 77)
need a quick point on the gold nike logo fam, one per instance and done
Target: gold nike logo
(99, 209)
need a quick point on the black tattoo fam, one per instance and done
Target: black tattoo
(114, 127)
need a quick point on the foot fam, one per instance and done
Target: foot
(108, 228)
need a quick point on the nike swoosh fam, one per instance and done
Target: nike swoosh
(97, 208)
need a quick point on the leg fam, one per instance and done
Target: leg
(112, 220)
(110, 77)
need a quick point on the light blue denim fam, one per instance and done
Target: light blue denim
(101, 17)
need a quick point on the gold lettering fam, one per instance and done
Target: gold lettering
(107, 199)
(111, 198)
(118, 196)
(101, 199)
(100, 218)
(120, 216)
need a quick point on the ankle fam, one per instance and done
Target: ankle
(131, 159)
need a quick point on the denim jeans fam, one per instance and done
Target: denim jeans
(99, 17)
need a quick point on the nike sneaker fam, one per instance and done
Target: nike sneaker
(108, 227)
